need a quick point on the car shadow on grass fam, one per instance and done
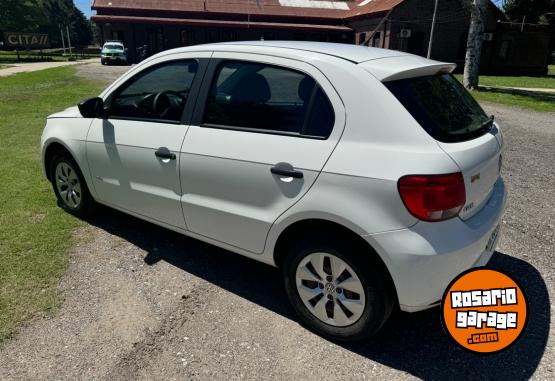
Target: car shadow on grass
(413, 343)
(540, 95)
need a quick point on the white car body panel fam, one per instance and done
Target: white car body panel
(218, 166)
(438, 250)
(125, 171)
(479, 161)
(220, 188)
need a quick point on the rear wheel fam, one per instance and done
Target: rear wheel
(336, 290)
(69, 186)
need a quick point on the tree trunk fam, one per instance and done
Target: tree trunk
(478, 17)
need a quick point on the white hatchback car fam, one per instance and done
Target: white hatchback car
(370, 177)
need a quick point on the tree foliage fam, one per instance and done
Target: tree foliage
(534, 10)
(46, 16)
(20, 16)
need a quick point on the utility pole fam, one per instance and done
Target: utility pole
(523, 23)
(69, 41)
(432, 30)
(62, 34)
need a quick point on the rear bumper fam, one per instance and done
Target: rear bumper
(425, 258)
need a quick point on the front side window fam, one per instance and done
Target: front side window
(159, 93)
(268, 98)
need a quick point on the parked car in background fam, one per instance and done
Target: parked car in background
(113, 52)
(370, 177)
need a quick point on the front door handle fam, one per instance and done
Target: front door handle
(164, 153)
(286, 170)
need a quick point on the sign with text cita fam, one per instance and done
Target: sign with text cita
(26, 40)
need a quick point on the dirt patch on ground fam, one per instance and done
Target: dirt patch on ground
(106, 74)
(114, 303)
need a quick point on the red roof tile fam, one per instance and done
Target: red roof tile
(373, 6)
(330, 9)
(221, 23)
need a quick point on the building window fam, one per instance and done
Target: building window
(156, 40)
(228, 35)
(504, 49)
(376, 38)
(361, 38)
(187, 37)
(117, 35)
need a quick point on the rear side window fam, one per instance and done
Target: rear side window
(442, 106)
(265, 98)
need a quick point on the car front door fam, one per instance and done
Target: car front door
(133, 153)
(262, 131)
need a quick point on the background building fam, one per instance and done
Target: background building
(395, 24)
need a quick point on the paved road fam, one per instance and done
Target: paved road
(36, 66)
(145, 303)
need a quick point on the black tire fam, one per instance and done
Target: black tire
(86, 206)
(379, 297)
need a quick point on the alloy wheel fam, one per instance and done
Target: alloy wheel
(330, 289)
(68, 185)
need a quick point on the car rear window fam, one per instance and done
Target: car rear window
(442, 106)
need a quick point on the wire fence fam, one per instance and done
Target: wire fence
(46, 55)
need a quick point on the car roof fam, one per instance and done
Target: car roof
(384, 64)
(349, 52)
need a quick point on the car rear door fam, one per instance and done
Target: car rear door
(262, 131)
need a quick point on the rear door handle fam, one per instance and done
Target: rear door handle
(164, 153)
(286, 170)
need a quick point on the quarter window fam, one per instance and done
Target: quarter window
(157, 94)
(256, 96)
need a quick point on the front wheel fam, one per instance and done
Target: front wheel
(69, 186)
(336, 290)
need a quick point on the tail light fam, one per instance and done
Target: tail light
(433, 197)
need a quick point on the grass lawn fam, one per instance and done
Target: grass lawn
(34, 233)
(516, 100)
(547, 82)
(539, 102)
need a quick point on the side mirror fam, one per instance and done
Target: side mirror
(92, 108)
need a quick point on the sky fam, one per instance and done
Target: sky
(85, 6)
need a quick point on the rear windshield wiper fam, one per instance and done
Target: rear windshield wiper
(489, 123)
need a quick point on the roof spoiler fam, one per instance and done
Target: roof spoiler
(405, 66)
